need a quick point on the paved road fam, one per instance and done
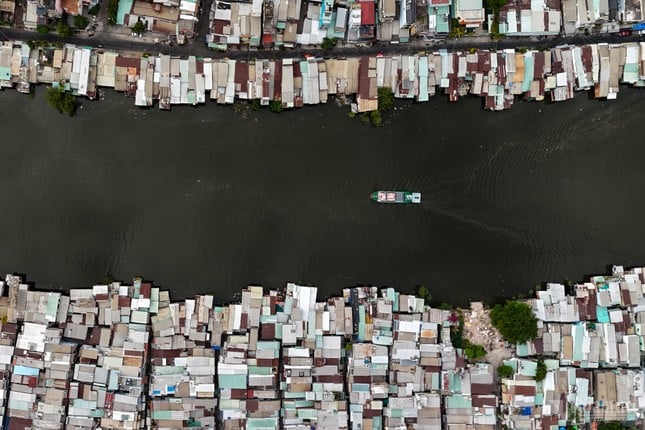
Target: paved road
(198, 48)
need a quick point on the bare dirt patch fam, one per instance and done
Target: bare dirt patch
(479, 330)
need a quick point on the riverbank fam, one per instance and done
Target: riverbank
(497, 77)
(127, 356)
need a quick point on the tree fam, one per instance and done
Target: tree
(113, 9)
(42, 29)
(95, 9)
(515, 321)
(80, 21)
(422, 290)
(457, 29)
(62, 101)
(63, 29)
(473, 351)
(611, 425)
(495, 5)
(540, 372)
(456, 320)
(505, 371)
(328, 43)
(139, 27)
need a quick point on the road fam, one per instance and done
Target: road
(196, 47)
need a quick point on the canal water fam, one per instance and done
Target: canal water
(208, 199)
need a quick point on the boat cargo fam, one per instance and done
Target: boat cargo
(401, 197)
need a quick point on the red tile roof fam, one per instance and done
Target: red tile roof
(368, 12)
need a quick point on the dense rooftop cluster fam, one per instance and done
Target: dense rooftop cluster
(255, 24)
(127, 357)
(497, 77)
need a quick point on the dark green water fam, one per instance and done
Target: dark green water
(205, 200)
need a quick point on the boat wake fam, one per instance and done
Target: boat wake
(521, 239)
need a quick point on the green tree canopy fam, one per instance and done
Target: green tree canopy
(473, 351)
(505, 371)
(80, 21)
(63, 102)
(515, 321)
(385, 99)
(611, 425)
(113, 9)
(139, 27)
(328, 43)
(422, 291)
(63, 29)
(495, 5)
(540, 372)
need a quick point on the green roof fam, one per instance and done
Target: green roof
(458, 401)
(5, 73)
(125, 6)
(232, 381)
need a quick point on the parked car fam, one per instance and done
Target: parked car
(625, 32)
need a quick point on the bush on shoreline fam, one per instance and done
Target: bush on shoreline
(276, 106)
(62, 101)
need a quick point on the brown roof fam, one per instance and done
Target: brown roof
(164, 353)
(16, 423)
(483, 62)
(363, 78)
(268, 362)
(267, 331)
(538, 65)
(539, 342)
(277, 95)
(333, 379)
(522, 389)
(626, 297)
(480, 401)
(242, 77)
(481, 388)
(145, 288)
(127, 62)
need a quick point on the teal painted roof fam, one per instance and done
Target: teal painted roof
(522, 349)
(539, 399)
(459, 402)
(528, 368)
(443, 24)
(232, 381)
(528, 73)
(125, 6)
(602, 314)
(256, 370)
(579, 333)
(262, 423)
(5, 73)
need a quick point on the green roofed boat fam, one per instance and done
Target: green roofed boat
(401, 197)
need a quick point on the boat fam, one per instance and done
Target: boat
(402, 197)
